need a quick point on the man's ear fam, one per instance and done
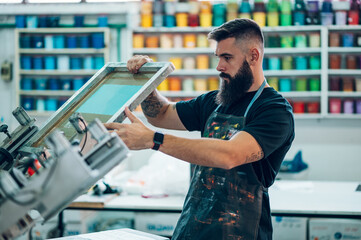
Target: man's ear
(254, 56)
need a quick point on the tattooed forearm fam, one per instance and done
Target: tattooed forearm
(152, 105)
(254, 157)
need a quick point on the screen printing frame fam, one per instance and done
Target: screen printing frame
(160, 69)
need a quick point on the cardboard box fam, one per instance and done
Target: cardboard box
(334, 229)
(156, 223)
(289, 228)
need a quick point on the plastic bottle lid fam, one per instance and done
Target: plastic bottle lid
(272, 6)
(355, 5)
(182, 7)
(245, 7)
(259, 7)
(300, 5)
(341, 6)
(326, 6)
(312, 6)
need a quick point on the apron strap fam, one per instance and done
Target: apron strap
(258, 93)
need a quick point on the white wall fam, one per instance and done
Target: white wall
(331, 147)
(7, 93)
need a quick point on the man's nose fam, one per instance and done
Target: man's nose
(220, 67)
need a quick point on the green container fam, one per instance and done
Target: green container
(300, 41)
(301, 84)
(272, 19)
(219, 9)
(287, 63)
(273, 41)
(286, 19)
(287, 41)
(315, 62)
(273, 82)
(285, 84)
(286, 6)
(314, 84)
(218, 20)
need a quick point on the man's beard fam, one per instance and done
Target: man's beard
(236, 87)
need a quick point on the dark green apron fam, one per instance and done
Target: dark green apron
(222, 204)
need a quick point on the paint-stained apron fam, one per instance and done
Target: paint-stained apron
(222, 204)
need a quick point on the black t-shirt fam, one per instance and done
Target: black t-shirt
(269, 120)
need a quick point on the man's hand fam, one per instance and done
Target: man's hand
(135, 135)
(136, 62)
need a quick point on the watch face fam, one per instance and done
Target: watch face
(158, 138)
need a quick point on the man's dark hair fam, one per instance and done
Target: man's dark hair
(240, 28)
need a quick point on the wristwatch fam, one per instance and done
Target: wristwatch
(157, 140)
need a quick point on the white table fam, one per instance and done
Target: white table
(287, 198)
(316, 199)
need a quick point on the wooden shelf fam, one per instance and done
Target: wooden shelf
(58, 72)
(303, 94)
(343, 116)
(343, 27)
(62, 51)
(208, 29)
(344, 94)
(282, 51)
(182, 93)
(280, 73)
(292, 73)
(62, 30)
(193, 51)
(46, 93)
(352, 72)
(347, 50)
(173, 29)
(196, 72)
(287, 29)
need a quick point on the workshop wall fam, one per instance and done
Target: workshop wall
(7, 95)
(330, 147)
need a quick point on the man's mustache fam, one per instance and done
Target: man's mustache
(224, 75)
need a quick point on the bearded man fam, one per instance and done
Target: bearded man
(246, 130)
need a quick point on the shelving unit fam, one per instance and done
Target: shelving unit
(89, 44)
(322, 73)
(343, 84)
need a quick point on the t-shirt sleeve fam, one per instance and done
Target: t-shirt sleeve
(271, 126)
(194, 113)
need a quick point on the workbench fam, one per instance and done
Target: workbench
(287, 198)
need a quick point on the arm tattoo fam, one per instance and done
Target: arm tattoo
(254, 157)
(151, 106)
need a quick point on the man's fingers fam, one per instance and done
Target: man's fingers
(111, 126)
(136, 62)
(131, 116)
